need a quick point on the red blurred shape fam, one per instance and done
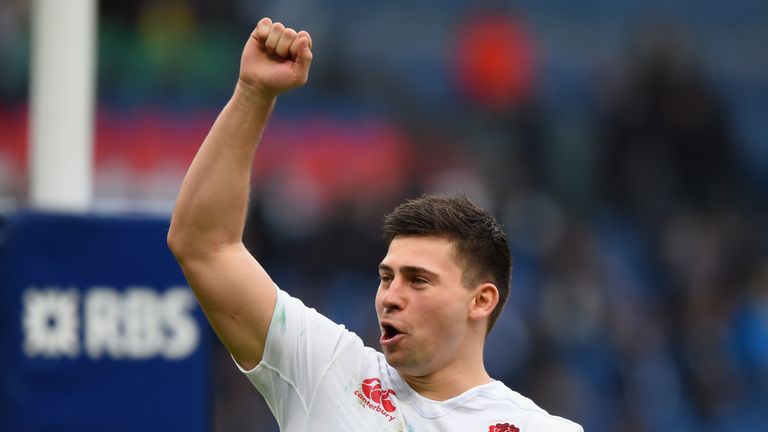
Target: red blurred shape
(494, 60)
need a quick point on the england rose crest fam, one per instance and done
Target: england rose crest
(503, 427)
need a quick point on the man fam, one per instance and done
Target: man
(443, 283)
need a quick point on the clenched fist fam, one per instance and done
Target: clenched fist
(275, 59)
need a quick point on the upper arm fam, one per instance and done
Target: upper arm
(237, 296)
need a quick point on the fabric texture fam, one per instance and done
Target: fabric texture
(318, 376)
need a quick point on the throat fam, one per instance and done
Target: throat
(446, 385)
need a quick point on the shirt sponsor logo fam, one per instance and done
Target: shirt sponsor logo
(376, 398)
(503, 427)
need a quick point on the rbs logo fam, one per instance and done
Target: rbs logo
(137, 323)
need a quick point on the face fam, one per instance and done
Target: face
(422, 305)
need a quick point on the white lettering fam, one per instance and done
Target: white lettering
(143, 338)
(137, 323)
(50, 323)
(102, 323)
(182, 330)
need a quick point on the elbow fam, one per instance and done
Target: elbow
(188, 244)
(179, 241)
(174, 242)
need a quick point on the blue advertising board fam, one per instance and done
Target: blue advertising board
(98, 329)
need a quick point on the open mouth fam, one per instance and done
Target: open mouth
(389, 334)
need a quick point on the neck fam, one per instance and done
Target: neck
(449, 382)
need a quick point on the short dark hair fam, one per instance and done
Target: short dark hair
(480, 242)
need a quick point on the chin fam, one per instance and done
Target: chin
(403, 364)
(390, 356)
(395, 359)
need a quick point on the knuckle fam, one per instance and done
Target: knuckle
(264, 25)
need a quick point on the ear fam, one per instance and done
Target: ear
(484, 301)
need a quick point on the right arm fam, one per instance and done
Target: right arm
(236, 294)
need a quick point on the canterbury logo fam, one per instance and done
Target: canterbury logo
(376, 398)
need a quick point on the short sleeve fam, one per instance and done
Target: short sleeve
(301, 345)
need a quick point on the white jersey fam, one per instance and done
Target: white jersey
(317, 376)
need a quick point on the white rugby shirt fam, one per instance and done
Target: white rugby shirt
(318, 376)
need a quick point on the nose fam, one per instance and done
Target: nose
(393, 296)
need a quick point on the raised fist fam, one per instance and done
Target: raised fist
(275, 58)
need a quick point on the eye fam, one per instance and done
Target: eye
(384, 278)
(418, 280)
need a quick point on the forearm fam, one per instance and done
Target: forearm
(212, 203)
(235, 292)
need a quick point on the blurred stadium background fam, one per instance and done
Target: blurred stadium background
(623, 144)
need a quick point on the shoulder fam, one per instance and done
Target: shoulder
(536, 418)
(296, 328)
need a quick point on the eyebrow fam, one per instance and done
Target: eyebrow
(410, 270)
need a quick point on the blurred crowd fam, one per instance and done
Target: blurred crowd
(623, 146)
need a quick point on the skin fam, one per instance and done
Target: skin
(440, 353)
(235, 292)
(444, 322)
